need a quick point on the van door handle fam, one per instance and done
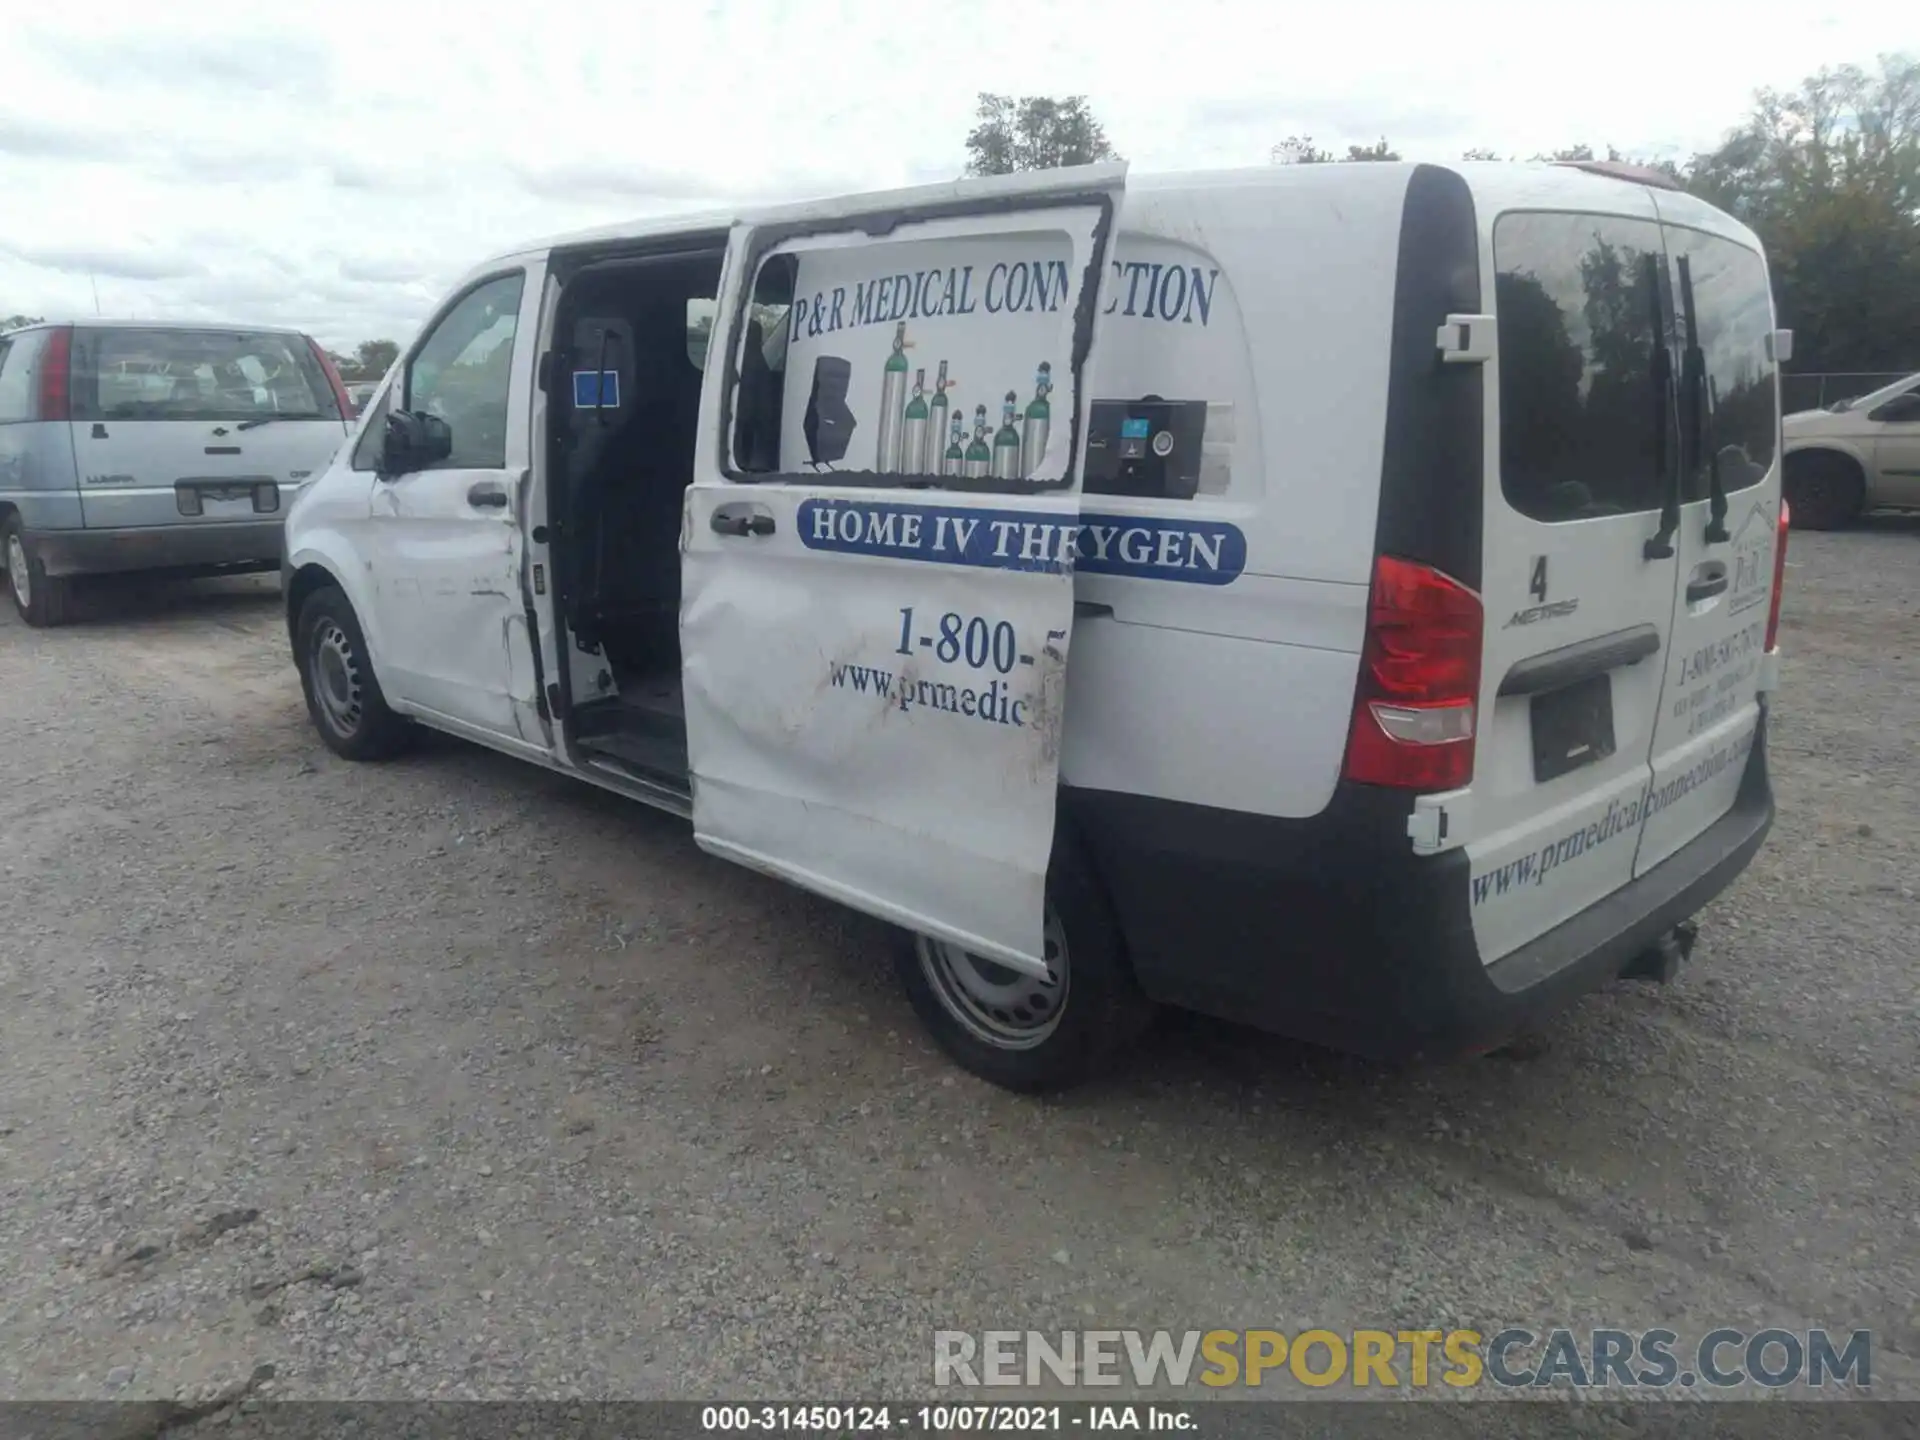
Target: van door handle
(486, 496)
(1708, 581)
(743, 520)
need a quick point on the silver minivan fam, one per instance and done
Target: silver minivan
(143, 445)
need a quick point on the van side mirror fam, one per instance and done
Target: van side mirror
(413, 441)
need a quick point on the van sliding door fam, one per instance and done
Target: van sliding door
(877, 594)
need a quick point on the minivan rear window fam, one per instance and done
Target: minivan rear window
(211, 375)
(1577, 332)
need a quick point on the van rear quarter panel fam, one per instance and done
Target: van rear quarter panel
(37, 476)
(1238, 695)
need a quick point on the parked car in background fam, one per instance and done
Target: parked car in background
(142, 445)
(359, 392)
(1855, 455)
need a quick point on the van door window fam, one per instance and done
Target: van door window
(14, 392)
(366, 450)
(462, 370)
(1580, 415)
(1733, 317)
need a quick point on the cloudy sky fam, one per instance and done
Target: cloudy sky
(335, 165)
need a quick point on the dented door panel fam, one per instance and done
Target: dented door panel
(876, 652)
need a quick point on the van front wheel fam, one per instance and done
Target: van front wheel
(1027, 1032)
(343, 697)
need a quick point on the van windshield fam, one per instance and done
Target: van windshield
(209, 375)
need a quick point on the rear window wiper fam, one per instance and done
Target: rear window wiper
(1700, 414)
(260, 420)
(1660, 546)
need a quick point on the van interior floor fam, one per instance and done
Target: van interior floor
(643, 725)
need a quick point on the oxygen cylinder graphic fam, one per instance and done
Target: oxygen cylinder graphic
(913, 435)
(1006, 442)
(936, 425)
(955, 461)
(893, 401)
(979, 457)
(1033, 432)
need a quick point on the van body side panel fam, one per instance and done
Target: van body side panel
(1231, 684)
(37, 476)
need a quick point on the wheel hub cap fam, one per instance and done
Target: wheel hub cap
(336, 678)
(1007, 1008)
(17, 570)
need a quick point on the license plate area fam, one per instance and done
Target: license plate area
(226, 499)
(1572, 727)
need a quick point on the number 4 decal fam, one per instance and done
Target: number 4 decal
(1538, 584)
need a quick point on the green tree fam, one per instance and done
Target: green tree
(1377, 151)
(1300, 150)
(14, 322)
(373, 358)
(1828, 175)
(1034, 132)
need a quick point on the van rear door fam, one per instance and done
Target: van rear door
(1729, 430)
(877, 592)
(177, 426)
(1578, 584)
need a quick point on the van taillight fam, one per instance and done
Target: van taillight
(55, 400)
(1779, 577)
(340, 396)
(1419, 680)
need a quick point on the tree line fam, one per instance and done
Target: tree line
(1827, 174)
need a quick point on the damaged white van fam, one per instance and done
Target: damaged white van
(1340, 598)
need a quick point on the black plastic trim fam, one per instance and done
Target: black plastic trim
(1433, 464)
(1583, 658)
(1332, 931)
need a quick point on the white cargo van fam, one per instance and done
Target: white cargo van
(1340, 598)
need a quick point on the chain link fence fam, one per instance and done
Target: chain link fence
(1813, 392)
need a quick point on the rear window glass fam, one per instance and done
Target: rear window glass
(1578, 303)
(19, 369)
(131, 374)
(1733, 316)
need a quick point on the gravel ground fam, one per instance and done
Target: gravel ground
(455, 1078)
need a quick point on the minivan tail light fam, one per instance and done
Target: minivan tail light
(1779, 577)
(1413, 712)
(333, 378)
(55, 399)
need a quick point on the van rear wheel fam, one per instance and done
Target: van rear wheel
(1027, 1032)
(43, 600)
(343, 697)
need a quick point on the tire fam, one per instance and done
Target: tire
(1027, 1035)
(343, 697)
(1824, 490)
(43, 600)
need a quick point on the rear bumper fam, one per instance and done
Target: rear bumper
(161, 547)
(1332, 931)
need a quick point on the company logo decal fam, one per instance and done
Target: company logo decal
(1194, 552)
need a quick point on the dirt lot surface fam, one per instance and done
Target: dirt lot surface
(455, 1078)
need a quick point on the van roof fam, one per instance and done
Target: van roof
(1576, 182)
